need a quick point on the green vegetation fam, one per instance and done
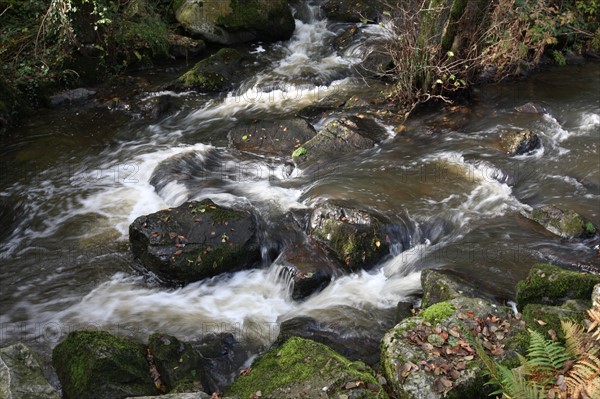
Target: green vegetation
(298, 152)
(438, 312)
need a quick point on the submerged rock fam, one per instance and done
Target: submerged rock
(196, 240)
(428, 356)
(357, 238)
(235, 21)
(551, 285)
(301, 368)
(567, 224)
(531, 108)
(519, 142)
(98, 365)
(71, 97)
(271, 137)
(21, 375)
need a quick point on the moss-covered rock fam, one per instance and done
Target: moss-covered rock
(429, 356)
(302, 368)
(21, 375)
(218, 72)
(545, 318)
(179, 365)
(564, 223)
(99, 365)
(443, 285)
(235, 21)
(519, 142)
(551, 285)
(196, 240)
(356, 237)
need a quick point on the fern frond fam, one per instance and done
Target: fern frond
(594, 328)
(516, 386)
(574, 338)
(584, 378)
(545, 355)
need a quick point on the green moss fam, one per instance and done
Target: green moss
(549, 284)
(284, 369)
(217, 213)
(590, 229)
(298, 152)
(551, 317)
(438, 312)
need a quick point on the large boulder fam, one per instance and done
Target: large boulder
(216, 73)
(551, 285)
(21, 375)
(428, 356)
(235, 21)
(196, 240)
(353, 11)
(271, 137)
(564, 223)
(302, 368)
(180, 366)
(99, 365)
(519, 142)
(357, 238)
(340, 137)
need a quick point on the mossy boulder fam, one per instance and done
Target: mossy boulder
(519, 142)
(546, 318)
(302, 368)
(551, 285)
(444, 285)
(216, 73)
(99, 365)
(357, 238)
(353, 11)
(563, 223)
(196, 240)
(271, 137)
(21, 375)
(429, 356)
(235, 21)
(180, 366)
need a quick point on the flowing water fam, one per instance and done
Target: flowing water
(73, 182)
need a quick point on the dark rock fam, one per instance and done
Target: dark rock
(235, 21)
(344, 40)
(184, 47)
(179, 365)
(71, 97)
(271, 137)
(354, 347)
(444, 285)
(357, 238)
(567, 224)
(98, 365)
(194, 241)
(301, 368)
(531, 108)
(21, 375)
(403, 310)
(341, 137)
(157, 107)
(217, 73)
(353, 11)
(551, 285)
(223, 356)
(519, 142)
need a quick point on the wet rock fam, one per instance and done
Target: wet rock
(352, 346)
(71, 97)
(235, 21)
(403, 310)
(309, 268)
(179, 365)
(353, 11)
(340, 137)
(444, 285)
(567, 224)
(196, 240)
(217, 73)
(304, 368)
(271, 137)
(357, 238)
(428, 356)
(223, 356)
(551, 285)
(344, 40)
(531, 108)
(184, 47)
(157, 107)
(21, 375)
(519, 142)
(98, 365)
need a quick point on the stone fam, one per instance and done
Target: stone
(302, 368)
(71, 97)
(99, 365)
(519, 142)
(235, 21)
(22, 376)
(531, 108)
(444, 285)
(353, 11)
(188, 395)
(185, 47)
(196, 240)
(563, 223)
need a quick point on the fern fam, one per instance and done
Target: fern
(545, 355)
(583, 379)
(574, 339)
(594, 314)
(516, 386)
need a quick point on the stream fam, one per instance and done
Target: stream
(74, 180)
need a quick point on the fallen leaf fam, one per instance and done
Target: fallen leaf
(541, 323)
(246, 371)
